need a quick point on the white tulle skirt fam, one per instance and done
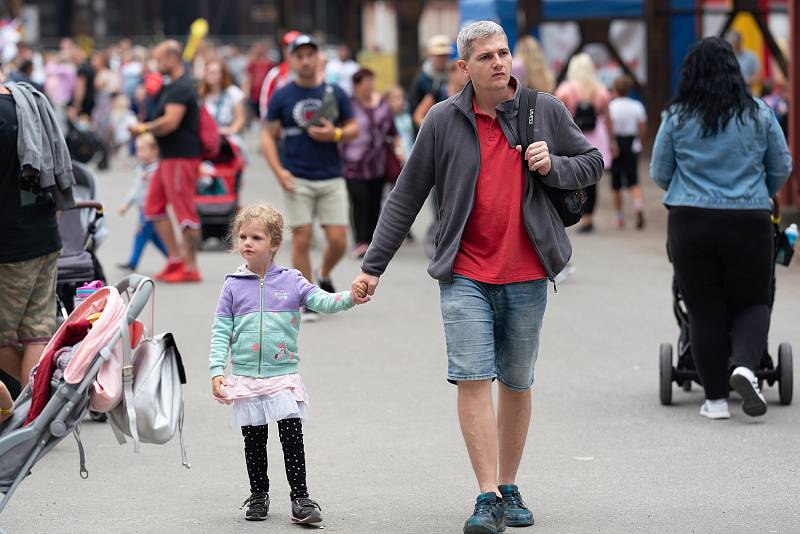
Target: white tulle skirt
(259, 401)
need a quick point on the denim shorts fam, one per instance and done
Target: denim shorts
(492, 331)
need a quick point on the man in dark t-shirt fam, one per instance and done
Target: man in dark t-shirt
(311, 118)
(176, 128)
(83, 94)
(29, 248)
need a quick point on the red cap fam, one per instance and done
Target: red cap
(290, 36)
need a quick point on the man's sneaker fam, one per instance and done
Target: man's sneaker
(488, 517)
(744, 381)
(517, 512)
(715, 409)
(308, 315)
(182, 276)
(326, 285)
(257, 507)
(305, 511)
(172, 266)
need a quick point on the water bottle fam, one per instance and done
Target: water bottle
(85, 291)
(791, 234)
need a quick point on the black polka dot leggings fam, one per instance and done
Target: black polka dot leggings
(294, 456)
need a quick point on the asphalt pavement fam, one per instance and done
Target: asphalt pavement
(384, 450)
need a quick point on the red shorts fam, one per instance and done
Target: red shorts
(173, 183)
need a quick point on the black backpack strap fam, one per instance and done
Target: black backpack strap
(526, 118)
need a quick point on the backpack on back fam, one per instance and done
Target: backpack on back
(585, 116)
(209, 134)
(568, 204)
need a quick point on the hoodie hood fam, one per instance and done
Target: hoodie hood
(244, 272)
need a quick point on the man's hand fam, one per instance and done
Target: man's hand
(359, 293)
(216, 384)
(323, 134)
(365, 280)
(286, 179)
(136, 129)
(538, 157)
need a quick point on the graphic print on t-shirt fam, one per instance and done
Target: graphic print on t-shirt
(304, 110)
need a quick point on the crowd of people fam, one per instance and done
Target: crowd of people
(337, 148)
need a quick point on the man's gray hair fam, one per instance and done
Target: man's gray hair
(475, 31)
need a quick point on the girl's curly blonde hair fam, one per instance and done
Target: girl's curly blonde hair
(270, 218)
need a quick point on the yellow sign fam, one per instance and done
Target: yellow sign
(384, 66)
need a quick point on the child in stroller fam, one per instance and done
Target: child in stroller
(217, 194)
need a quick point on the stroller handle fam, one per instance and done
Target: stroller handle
(142, 287)
(87, 204)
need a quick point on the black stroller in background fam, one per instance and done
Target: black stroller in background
(80, 230)
(685, 372)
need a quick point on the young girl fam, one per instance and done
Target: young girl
(257, 321)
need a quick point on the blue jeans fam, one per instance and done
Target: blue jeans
(492, 331)
(145, 234)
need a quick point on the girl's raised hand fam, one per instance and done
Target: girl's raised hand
(216, 384)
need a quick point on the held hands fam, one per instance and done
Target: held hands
(323, 134)
(538, 157)
(358, 293)
(364, 287)
(216, 384)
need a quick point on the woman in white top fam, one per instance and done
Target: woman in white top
(223, 100)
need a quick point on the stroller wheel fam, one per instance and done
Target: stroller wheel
(97, 417)
(665, 374)
(785, 373)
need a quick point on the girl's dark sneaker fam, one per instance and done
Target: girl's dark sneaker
(305, 511)
(488, 517)
(517, 512)
(257, 507)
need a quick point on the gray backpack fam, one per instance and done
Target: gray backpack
(151, 410)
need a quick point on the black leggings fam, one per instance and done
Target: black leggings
(724, 265)
(365, 202)
(294, 456)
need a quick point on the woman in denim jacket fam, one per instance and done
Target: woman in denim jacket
(720, 155)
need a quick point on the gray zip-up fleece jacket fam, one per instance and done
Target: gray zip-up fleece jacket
(42, 149)
(446, 155)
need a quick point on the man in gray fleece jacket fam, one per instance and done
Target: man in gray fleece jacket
(499, 242)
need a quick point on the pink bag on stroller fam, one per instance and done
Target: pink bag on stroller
(107, 388)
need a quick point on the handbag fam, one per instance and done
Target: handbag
(152, 409)
(392, 167)
(567, 203)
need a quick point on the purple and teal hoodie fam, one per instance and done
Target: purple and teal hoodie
(257, 321)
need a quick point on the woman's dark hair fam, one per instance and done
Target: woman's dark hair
(361, 74)
(712, 87)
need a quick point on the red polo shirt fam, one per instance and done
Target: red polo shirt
(495, 247)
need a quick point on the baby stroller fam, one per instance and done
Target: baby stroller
(82, 230)
(27, 436)
(685, 372)
(217, 194)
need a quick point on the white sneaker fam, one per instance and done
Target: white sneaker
(744, 381)
(715, 409)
